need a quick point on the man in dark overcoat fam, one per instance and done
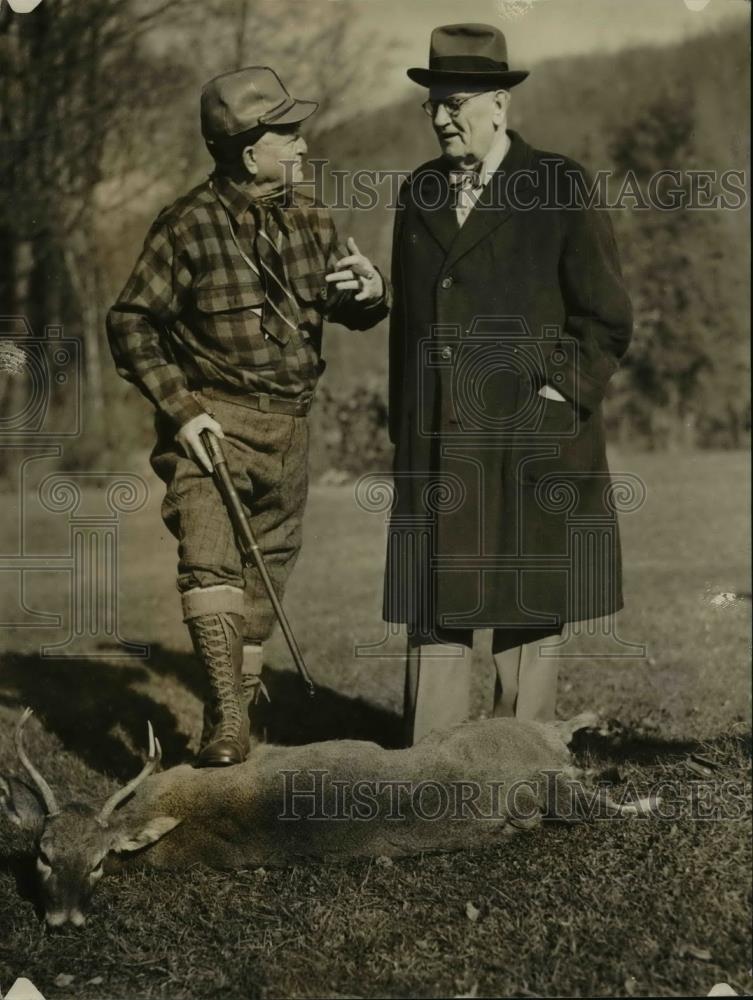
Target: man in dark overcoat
(509, 318)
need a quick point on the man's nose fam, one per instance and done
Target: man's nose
(301, 146)
(441, 117)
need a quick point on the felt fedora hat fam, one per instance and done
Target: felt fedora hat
(467, 53)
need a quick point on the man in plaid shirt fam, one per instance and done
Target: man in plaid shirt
(220, 327)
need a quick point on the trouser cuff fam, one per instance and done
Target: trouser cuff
(440, 636)
(212, 601)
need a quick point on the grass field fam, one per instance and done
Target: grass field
(640, 908)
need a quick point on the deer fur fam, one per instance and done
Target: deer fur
(235, 812)
(245, 816)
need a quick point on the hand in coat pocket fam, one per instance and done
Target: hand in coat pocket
(549, 393)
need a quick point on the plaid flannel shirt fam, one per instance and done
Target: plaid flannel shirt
(190, 313)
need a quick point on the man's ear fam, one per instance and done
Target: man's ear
(129, 839)
(249, 160)
(502, 101)
(21, 805)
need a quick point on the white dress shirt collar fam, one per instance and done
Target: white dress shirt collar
(467, 196)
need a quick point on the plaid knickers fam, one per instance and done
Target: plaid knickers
(267, 457)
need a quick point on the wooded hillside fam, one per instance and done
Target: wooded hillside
(99, 130)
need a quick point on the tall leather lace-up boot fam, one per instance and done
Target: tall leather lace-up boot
(217, 640)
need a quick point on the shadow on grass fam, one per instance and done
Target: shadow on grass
(95, 709)
(181, 666)
(84, 701)
(292, 717)
(636, 747)
(20, 867)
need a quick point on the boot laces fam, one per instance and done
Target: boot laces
(215, 645)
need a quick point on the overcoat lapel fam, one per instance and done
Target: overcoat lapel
(434, 201)
(495, 207)
(433, 198)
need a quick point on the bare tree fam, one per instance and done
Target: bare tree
(317, 49)
(99, 118)
(71, 72)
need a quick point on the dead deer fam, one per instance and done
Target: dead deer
(73, 842)
(331, 800)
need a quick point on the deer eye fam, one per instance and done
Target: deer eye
(98, 870)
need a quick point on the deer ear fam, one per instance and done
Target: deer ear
(135, 839)
(21, 805)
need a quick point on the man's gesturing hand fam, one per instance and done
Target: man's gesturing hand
(189, 440)
(357, 271)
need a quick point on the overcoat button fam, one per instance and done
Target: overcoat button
(446, 353)
(447, 282)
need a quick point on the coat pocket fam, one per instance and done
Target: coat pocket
(560, 439)
(229, 317)
(229, 298)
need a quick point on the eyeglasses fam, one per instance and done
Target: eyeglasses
(452, 105)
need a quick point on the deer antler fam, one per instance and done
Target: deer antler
(155, 755)
(46, 792)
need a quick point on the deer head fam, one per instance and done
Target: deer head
(73, 842)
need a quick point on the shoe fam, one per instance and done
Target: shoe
(218, 644)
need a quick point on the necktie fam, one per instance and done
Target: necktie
(465, 184)
(465, 180)
(280, 310)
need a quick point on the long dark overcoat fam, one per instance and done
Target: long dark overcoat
(504, 512)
